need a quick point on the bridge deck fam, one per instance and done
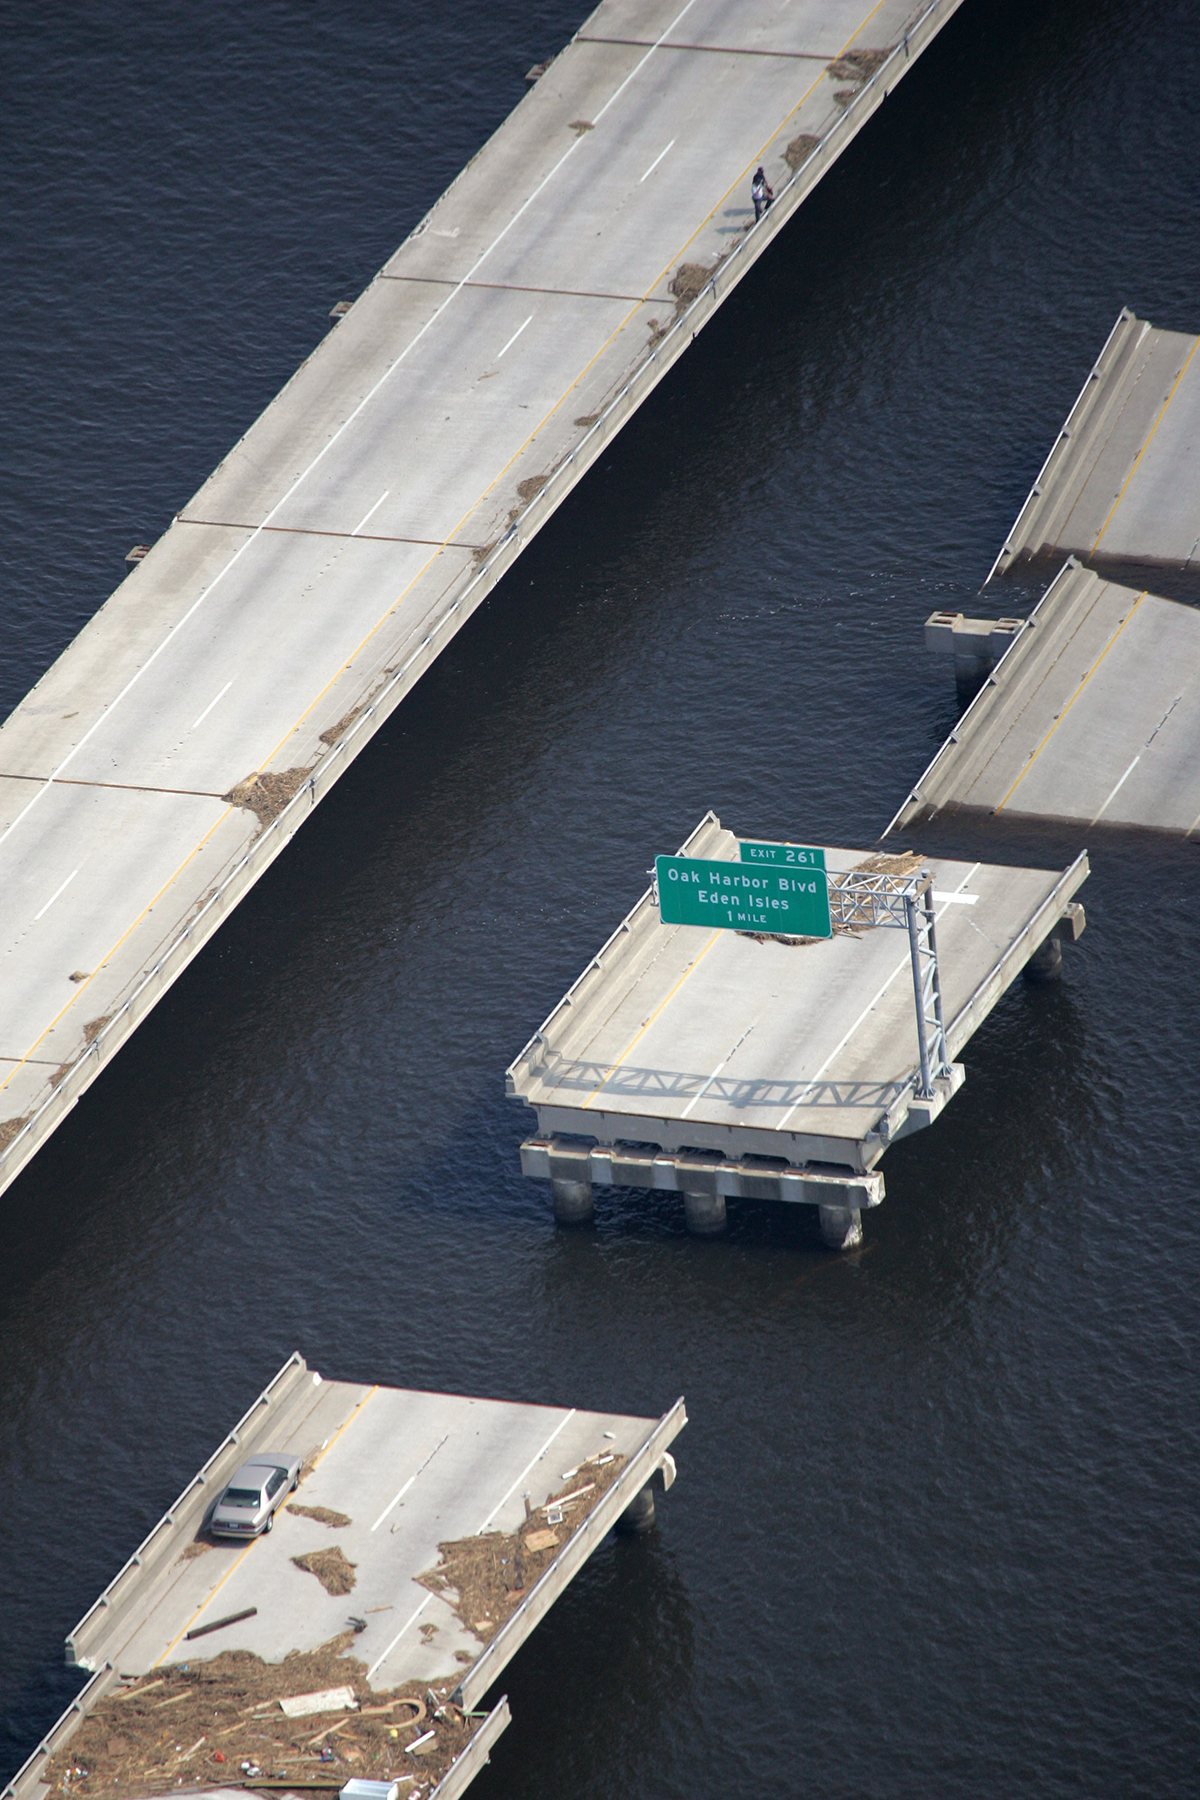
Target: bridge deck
(1092, 715)
(155, 771)
(725, 1042)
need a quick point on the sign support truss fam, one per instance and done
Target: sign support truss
(904, 902)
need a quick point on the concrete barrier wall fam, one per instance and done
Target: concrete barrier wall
(88, 1643)
(591, 1534)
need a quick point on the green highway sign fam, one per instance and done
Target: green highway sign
(787, 856)
(790, 902)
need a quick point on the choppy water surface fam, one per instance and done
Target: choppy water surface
(934, 1531)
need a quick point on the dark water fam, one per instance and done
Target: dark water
(935, 1528)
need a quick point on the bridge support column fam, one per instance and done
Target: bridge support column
(705, 1213)
(1046, 962)
(841, 1226)
(573, 1203)
(638, 1515)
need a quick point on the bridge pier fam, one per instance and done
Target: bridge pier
(573, 1201)
(841, 1227)
(705, 1213)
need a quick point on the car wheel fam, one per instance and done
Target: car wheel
(269, 1524)
(295, 1483)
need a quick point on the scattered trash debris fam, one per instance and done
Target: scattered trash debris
(541, 1540)
(334, 1699)
(536, 73)
(858, 65)
(197, 1631)
(231, 1707)
(339, 309)
(484, 1578)
(322, 1514)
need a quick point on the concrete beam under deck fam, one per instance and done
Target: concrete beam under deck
(172, 751)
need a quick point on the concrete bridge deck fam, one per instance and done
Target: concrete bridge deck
(405, 1472)
(1092, 715)
(1120, 488)
(725, 1063)
(173, 749)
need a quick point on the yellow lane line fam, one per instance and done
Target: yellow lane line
(447, 543)
(239, 1560)
(1070, 703)
(1137, 459)
(637, 1038)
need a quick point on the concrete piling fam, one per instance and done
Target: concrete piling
(1046, 962)
(705, 1213)
(639, 1515)
(841, 1227)
(573, 1202)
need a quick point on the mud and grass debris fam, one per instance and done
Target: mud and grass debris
(11, 1129)
(343, 725)
(324, 1515)
(94, 1027)
(690, 280)
(531, 487)
(266, 792)
(585, 421)
(858, 65)
(579, 126)
(800, 149)
(332, 1569)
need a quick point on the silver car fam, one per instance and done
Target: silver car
(248, 1506)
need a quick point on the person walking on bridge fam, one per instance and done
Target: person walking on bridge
(761, 192)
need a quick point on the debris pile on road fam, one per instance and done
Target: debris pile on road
(221, 1724)
(332, 1568)
(324, 1515)
(485, 1578)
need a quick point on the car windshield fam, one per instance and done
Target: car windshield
(242, 1497)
